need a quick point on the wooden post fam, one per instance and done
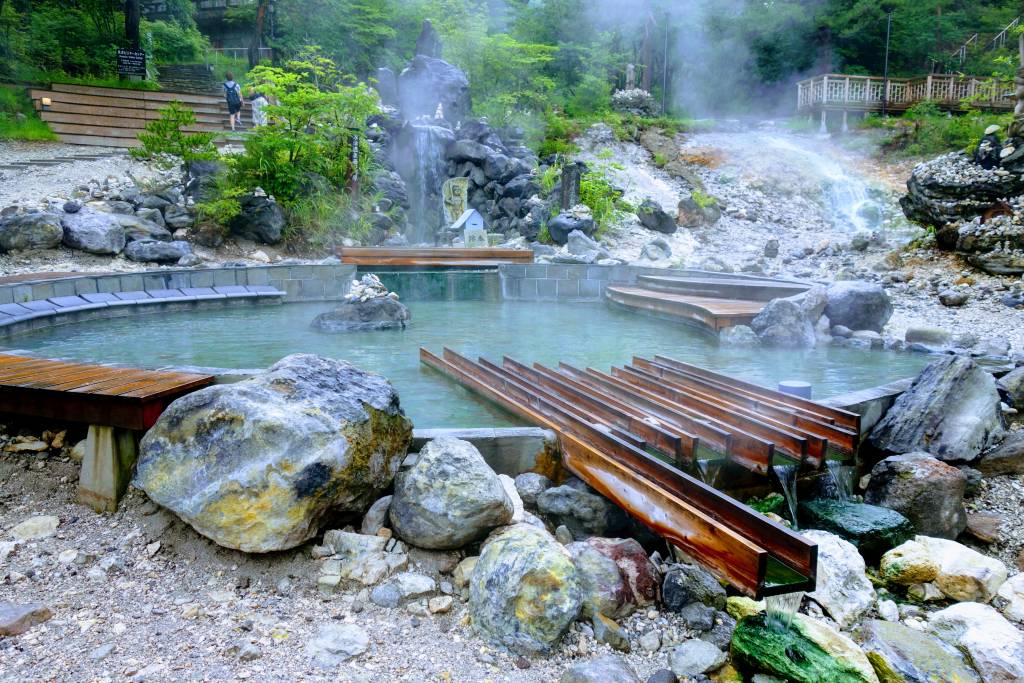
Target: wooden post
(107, 467)
(928, 88)
(824, 90)
(846, 89)
(846, 127)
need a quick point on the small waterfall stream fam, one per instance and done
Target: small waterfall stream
(780, 609)
(786, 474)
(838, 482)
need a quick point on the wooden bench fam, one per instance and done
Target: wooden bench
(116, 403)
(433, 256)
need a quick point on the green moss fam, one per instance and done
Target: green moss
(788, 654)
(18, 118)
(772, 503)
(703, 199)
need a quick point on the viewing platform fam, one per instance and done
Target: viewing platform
(846, 93)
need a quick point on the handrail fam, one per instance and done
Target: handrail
(1000, 39)
(870, 91)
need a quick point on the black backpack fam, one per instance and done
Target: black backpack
(232, 94)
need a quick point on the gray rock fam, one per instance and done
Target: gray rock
(530, 485)
(609, 632)
(738, 337)
(380, 313)
(929, 336)
(913, 656)
(154, 251)
(1011, 386)
(449, 498)
(427, 82)
(72, 206)
(695, 657)
(663, 676)
(102, 652)
(784, 323)
(653, 217)
(951, 412)
(562, 225)
(15, 619)
(260, 220)
(771, 248)
(337, 643)
(579, 244)
(698, 617)
(35, 230)
(189, 260)
(523, 565)
(603, 669)
(376, 518)
(257, 465)
(178, 217)
(468, 150)
(1006, 458)
(926, 491)
(122, 208)
(720, 634)
(583, 511)
(402, 588)
(153, 216)
(686, 583)
(657, 249)
(843, 588)
(953, 298)
(858, 305)
(94, 232)
(153, 201)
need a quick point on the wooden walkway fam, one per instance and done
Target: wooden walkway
(113, 117)
(713, 303)
(433, 256)
(634, 433)
(842, 92)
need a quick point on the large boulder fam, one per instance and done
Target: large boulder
(901, 654)
(257, 465)
(139, 227)
(964, 574)
(653, 217)
(858, 305)
(261, 219)
(428, 82)
(843, 588)
(1011, 387)
(155, 251)
(391, 186)
(872, 529)
(951, 188)
(381, 313)
(468, 150)
(951, 411)
(582, 510)
(449, 498)
(35, 230)
(995, 646)
(603, 669)
(93, 231)
(615, 576)
(909, 563)
(925, 490)
(565, 223)
(524, 592)
(1006, 458)
(784, 323)
(806, 652)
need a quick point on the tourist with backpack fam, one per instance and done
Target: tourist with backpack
(233, 94)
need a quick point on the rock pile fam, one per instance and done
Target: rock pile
(367, 306)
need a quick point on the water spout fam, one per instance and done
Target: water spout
(708, 470)
(838, 481)
(779, 610)
(786, 474)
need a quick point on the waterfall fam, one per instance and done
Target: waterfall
(418, 153)
(786, 474)
(779, 610)
(838, 481)
(709, 469)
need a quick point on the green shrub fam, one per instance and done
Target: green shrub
(18, 119)
(604, 200)
(924, 130)
(703, 199)
(660, 160)
(165, 136)
(174, 43)
(549, 177)
(320, 221)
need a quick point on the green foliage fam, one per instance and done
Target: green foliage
(18, 119)
(174, 43)
(604, 200)
(549, 177)
(166, 135)
(318, 222)
(772, 503)
(222, 210)
(660, 160)
(924, 130)
(315, 118)
(703, 199)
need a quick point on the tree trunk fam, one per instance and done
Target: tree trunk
(132, 19)
(257, 36)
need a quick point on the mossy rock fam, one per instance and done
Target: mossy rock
(793, 654)
(872, 529)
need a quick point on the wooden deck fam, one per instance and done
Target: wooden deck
(712, 313)
(93, 394)
(432, 257)
(611, 425)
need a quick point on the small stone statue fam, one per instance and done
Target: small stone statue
(989, 149)
(630, 76)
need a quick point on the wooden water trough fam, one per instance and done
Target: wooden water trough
(632, 433)
(433, 256)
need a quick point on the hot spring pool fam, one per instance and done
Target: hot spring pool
(581, 334)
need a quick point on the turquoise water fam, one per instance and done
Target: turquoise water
(580, 334)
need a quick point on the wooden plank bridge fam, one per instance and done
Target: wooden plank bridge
(116, 403)
(636, 434)
(848, 93)
(433, 256)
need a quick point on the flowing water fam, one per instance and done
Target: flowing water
(419, 157)
(780, 609)
(591, 335)
(838, 482)
(786, 474)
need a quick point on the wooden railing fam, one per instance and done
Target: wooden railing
(865, 93)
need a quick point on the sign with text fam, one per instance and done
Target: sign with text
(131, 62)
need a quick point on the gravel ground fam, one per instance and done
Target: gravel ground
(182, 609)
